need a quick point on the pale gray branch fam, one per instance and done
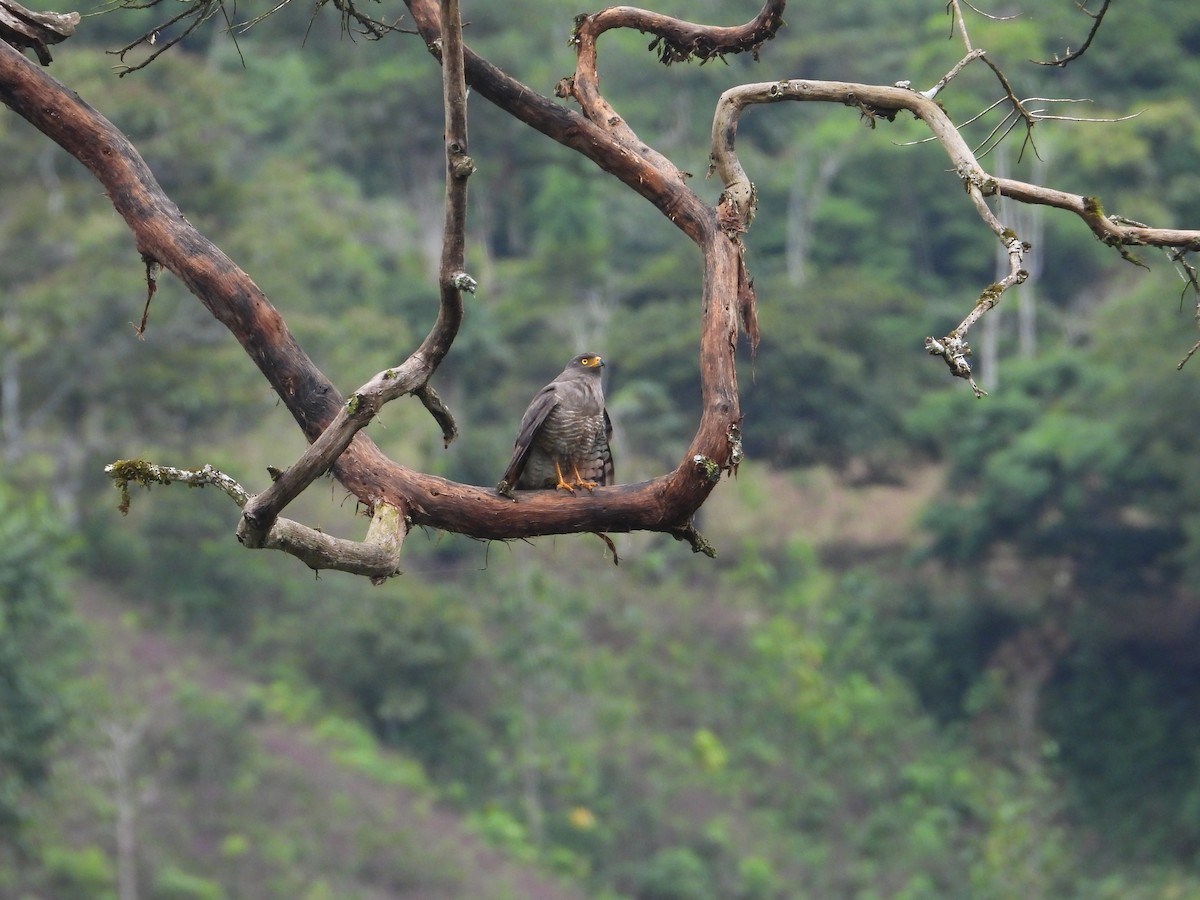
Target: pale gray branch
(880, 101)
(26, 29)
(377, 556)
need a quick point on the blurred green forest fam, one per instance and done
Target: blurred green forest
(947, 648)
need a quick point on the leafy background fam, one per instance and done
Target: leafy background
(947, 648)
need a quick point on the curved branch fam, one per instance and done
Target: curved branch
(376, 556)
(412, 376)
(679, 42)
(1072, 55)
(635, 164)
(668, 502)
(163, 235)
(878, 101)
(1112, 230)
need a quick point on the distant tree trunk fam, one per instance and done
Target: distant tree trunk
(813, 175)
(1026, 663)
(10, 396)
(1032, 222)
(120, 761)
(1027, 221)
(530, 764)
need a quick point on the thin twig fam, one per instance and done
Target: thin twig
(1097, 19)
(199, 12)
(954, 70)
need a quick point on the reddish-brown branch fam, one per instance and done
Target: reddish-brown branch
(680, 41)
(161, 233)
(669, 502)
(163, 236)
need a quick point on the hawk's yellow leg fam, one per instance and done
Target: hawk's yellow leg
(562, 482)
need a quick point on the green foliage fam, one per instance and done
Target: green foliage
(809, 399)
(1109, 717)
(1043, 470)
(1080, 470)
(778, 724)
(1024, 852)
(398, 663)
(179, 567)
(85, 874)
(505, 831)
(210, 742)
(171, 883)
(357, 749)
(39, 640)
(759, 879)
(675, 873)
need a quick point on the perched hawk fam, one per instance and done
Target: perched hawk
(563, 440)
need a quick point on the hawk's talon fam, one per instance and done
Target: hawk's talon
(580, 481)
(563, 484)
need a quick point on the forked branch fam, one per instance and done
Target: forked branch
(878, 101)
(400, 497)
(377, 556)
(334, 425)
(411, 376)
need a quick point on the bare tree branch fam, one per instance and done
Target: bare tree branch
(162, 234)
(195, 14)
(453, 279)
(377, 556)
(678, 41)
(1070, 56)
(399, 497)
(25, 29)
(138, 471)
(882, 101)
(413, 374)
(954, 70)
